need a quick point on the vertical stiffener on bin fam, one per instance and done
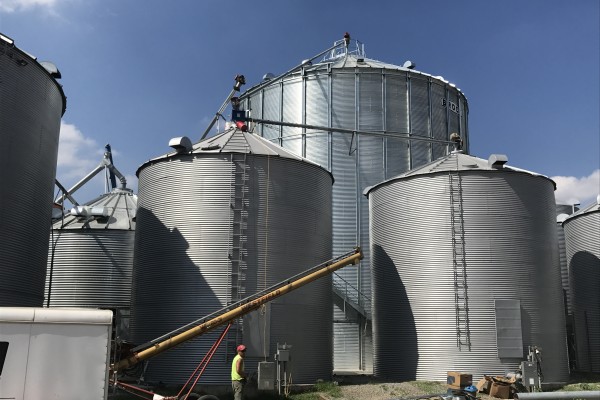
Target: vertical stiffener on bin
(348, 91)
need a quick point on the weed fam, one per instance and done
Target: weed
(329, 388)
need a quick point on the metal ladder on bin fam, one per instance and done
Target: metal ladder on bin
(239, 238)
(461, 297)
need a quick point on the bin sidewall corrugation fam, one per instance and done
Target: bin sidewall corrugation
(511, 253)
(582, 242)
(31, 105)
(384, 100)
(181, 268)
(90, 268)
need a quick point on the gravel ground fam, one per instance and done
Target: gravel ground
(387, 391)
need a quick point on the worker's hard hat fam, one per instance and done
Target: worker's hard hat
(241, 347)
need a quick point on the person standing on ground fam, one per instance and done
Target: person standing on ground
(238, 375)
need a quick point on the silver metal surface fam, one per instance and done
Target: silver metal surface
(90, 260)
(350, 91)
(510, 253)
(564, 268)
(186, 259)
(582, 239)
(31, 106)
(579, 395)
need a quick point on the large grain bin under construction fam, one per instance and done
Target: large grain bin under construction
(465, 271)
(218, 222)
(582, 242)
(90, 260)
(31, 105)
(354, 115)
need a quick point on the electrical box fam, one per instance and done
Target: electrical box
(283, 355)
(529, 374)
(266, 375)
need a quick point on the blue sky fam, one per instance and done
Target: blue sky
(137, 73)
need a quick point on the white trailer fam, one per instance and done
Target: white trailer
(54, 353)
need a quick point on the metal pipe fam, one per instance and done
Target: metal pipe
(82, 182)
(239, 303)
(216, 117)
(239, 81)
(342, 130)
(65, 193)
(291, 71)
(237, 312)
(260, 86)
(583, 395)
(105, 163)
(115, 171)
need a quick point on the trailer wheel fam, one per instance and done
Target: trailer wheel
(208, 397)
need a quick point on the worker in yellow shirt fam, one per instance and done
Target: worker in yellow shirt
(238, 375)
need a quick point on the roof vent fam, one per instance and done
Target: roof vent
(51, 68)
(181, 144)
(87, 211)
(497, 161)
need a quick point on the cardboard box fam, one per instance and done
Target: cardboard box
(484, 385)
(500, 390)
(457, 380)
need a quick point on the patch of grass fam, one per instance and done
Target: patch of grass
(576, 387)
(329, 388)
(305, 396)
(429, 387)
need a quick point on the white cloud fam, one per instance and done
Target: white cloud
(571, 190)
(77, 154)
(10, 6)
(132, 182)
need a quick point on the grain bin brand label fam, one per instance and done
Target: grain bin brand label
(452, 106)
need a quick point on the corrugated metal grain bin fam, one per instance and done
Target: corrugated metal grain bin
(465, 271)
(384, 104)
(90, 259)
(582, 239)
(31, 105)
(233, 216)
